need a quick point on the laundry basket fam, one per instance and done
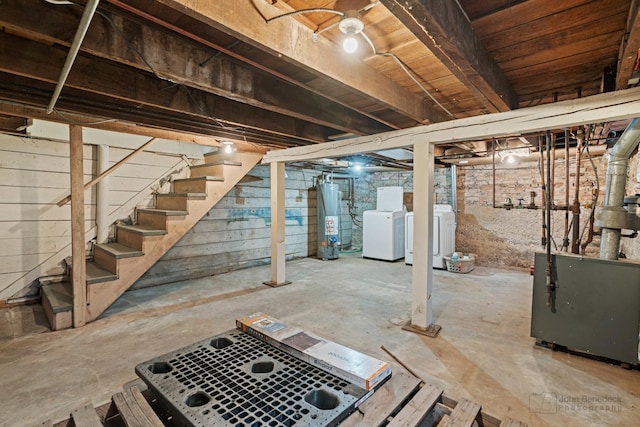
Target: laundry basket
(464, 264)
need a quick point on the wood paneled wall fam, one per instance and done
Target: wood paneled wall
(236, 232)
(34, 231)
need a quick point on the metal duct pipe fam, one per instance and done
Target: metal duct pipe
(595, 150)
(87, 15)
(615, 186)
(454, 188)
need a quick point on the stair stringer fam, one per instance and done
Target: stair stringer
(101, 295)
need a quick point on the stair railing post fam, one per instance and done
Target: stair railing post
(102, 196)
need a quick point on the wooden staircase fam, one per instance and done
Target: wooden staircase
(116, 266)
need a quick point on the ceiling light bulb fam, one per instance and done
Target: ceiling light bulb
(227, 146)
(511, 159)
(350, 44)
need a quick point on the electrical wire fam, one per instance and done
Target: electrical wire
(403, 66)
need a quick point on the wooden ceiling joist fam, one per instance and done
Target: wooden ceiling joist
(100, 77)
(176, 59)
(609, 106)
(444, 28)
(293, 41)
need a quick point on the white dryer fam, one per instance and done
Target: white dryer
(444, 235)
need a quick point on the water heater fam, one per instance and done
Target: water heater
(328, 220)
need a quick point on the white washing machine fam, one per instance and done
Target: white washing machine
(383, 235)
(444, 235)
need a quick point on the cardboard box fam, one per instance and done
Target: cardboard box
(350, 365)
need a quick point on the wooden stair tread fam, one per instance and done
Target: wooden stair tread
(190, 195)
(119, 250)
(201, 178)
(97, 274)
(143, 230)
(218, 163)
(164, 212)
(59, 296)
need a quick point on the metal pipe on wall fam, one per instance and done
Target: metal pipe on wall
(102, 196)
(550, 284)
(615, 188)
(575, 237)
(543, 195)
(565, 240)
(87, 15)
(454, 188)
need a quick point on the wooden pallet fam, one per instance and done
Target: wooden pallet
(403, 401)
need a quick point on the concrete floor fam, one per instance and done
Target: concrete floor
(483, 353)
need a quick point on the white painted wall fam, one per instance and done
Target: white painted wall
(34, 174)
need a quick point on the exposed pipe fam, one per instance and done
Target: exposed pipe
(615, 188)
(575, 237)
(543, 189)
(87, 15)
(550, 284)
(596, 150)
(552, 187)
(565, 239)
(454, 188)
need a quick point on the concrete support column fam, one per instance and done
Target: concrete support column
(102, 196)
(277, 225)
(422, 273)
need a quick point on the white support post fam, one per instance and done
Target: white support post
(277, 226)
(102, 196)
(422, 271)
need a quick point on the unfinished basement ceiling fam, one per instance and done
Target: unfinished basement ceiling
(218, 68)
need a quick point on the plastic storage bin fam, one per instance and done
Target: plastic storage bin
(464, 264)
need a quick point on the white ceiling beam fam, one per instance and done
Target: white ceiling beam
(619, 105)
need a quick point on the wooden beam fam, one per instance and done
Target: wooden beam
(290, 39)
(102, 122)
(106, 173)
(127, 84)
(21, 91)
(443, 27)
(422, 269)
(619, 105)
(183, 61)
(629, 51)
(277, 225)
(78, 277)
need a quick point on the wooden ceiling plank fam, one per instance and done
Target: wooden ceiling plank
(629, 49)
(294, 42)
(522, 13)
(602, 14)
(22, 57)
(609, 106)
(444, 29)
(177, 59)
